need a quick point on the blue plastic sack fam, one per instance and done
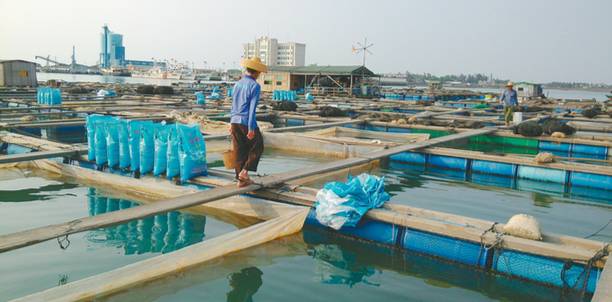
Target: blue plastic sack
(343, 204)
(124, 144)
(200, 98)
(112, 142)
(173, 165)
(161, 149)
(48, 96)
(147, 147)
(192, 151)
(100, 143)
(90, 125)
(134, 129)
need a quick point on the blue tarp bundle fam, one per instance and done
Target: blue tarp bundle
(343, 204)
(48, 96)
(309, 97)
(214, 94)
(106, 93)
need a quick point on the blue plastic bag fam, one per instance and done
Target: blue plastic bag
(173, 166)
(100, 144)
(309, 97)
(112, 142)
(147, 147)
(124, 144)
(200, 98)
(192, 151)
(134, 129)
(90, 126)
(161, 149)
(48, 96)
(343, 204)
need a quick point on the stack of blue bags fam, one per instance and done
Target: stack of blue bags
(284, 95)
(48, 96)
(173, 150)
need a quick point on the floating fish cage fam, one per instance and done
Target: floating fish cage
(281, 204)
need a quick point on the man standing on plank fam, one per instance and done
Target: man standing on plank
(247, 142)
(509, 99)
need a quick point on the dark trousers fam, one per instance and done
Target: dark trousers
(246, 151)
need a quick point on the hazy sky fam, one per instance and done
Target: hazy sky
(537, 40)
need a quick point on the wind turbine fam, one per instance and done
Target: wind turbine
(363, 48)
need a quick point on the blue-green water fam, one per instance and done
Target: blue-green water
(313, 265)
(31, 201)
(317, 265)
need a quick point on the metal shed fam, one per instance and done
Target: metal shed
(529, 90)
(17, 73)
(317, 79)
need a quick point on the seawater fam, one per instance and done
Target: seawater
(28, 201)
(313, 265)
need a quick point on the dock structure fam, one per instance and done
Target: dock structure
(358, 143)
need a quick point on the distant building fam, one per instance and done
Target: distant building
(17, 73)
(343, 80)
(274, 53)
(529, 90)
(112, 51)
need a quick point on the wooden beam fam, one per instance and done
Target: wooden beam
(15, 158)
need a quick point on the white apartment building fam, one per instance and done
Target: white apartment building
(273, 53)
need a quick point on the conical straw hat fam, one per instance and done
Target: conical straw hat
(254, 63)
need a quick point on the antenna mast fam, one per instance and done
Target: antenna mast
(363, 48)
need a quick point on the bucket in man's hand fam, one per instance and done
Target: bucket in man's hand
(229, 159)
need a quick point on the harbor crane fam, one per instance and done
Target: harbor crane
(48, 60)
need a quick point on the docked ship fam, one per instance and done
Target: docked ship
(116, 71)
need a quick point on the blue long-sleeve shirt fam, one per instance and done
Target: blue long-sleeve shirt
(244, 102)
(509, 98)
